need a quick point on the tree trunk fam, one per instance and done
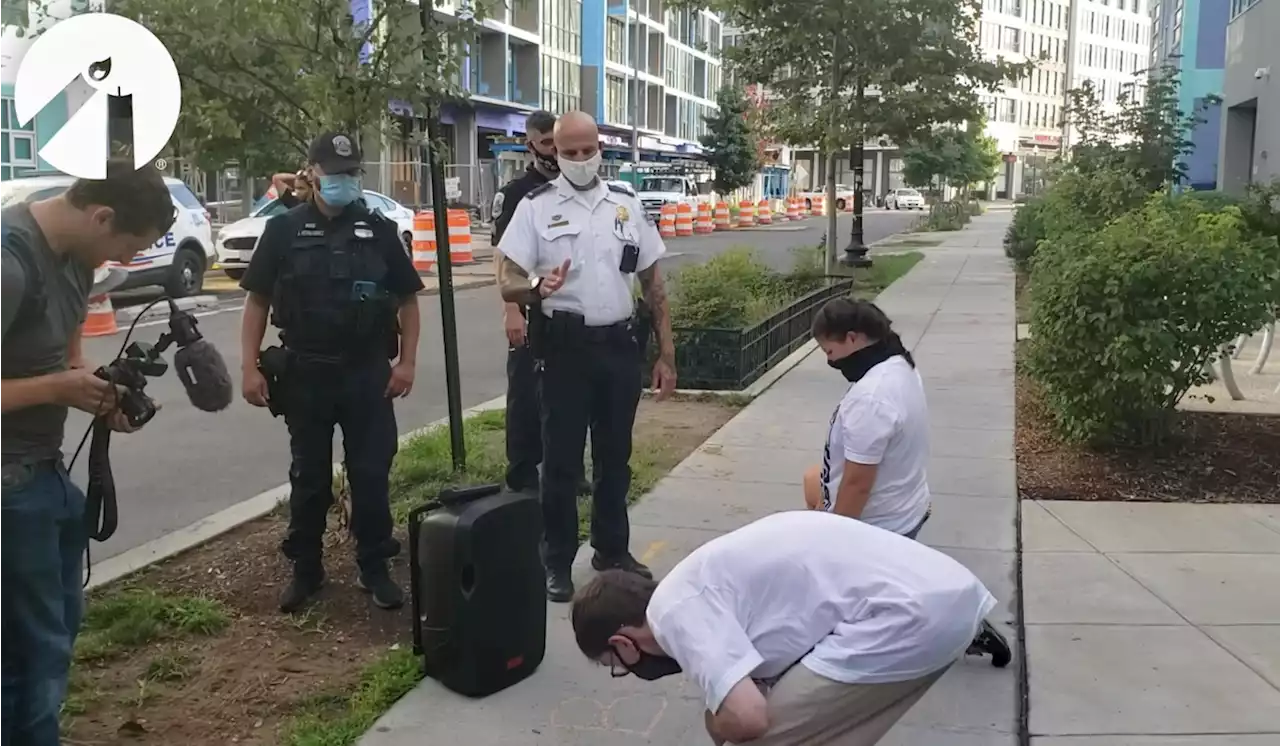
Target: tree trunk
(833, 228)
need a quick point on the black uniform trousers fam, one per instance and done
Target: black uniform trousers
(592, 383)
(524, 420)
(352, 395)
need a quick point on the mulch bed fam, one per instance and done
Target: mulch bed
(1214, 458)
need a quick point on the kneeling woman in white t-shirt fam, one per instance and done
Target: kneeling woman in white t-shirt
(876, 459)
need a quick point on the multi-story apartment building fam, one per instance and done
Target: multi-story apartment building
(612, 59)
(1191, 35)
(1250, 96)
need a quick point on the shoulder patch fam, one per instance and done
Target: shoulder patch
(498, 200)
(621, 188)
(540, 190)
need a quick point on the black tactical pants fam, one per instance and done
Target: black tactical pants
(595, 384)
(352, 396)
(524, 423)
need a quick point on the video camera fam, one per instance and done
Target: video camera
(130, 371)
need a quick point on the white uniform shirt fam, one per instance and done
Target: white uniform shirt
(883, 420)
(851, 602)
(589, 228)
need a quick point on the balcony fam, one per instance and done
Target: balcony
(488, 65)
(522, 73)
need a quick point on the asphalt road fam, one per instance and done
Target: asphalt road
(187, 465)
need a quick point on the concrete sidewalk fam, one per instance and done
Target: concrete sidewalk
(955, 309)
(1152, 624)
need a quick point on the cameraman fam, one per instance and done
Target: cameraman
(51, 248)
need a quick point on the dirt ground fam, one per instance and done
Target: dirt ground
(242, 685)
(1215, 457)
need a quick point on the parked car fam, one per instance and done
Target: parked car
(177, 262)
(904, 199)
(237, 240)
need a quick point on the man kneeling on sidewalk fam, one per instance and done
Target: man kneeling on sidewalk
(872, 618)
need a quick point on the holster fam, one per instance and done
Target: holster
(536, 331)
(273, 362)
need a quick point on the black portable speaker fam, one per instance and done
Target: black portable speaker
(478, 589)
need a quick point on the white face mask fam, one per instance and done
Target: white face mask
(580, 173)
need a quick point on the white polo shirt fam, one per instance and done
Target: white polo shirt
(849, 601)
(589, 228)
(883, 420)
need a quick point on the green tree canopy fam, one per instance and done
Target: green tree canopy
(261, 78)
(958, 156)
(841, 71)
(733, 148)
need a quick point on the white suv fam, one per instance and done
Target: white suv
(904, 199)
(177, 262)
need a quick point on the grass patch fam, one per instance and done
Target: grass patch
(169, 667)
(884, 270)
(118, 622)
(341, 719)
(914, 242)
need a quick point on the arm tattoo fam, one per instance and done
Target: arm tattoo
(655, 294)
(513, 281)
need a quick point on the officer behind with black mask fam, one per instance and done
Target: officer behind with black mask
(337, 282)
(524, 428)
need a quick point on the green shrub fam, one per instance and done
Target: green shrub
(727, 291)
(1125, 318)
(1085, 202)
(947, 216)
(1025, 233)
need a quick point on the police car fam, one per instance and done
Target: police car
(177, 262)
(237, 240)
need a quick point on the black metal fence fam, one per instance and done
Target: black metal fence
(732, 359)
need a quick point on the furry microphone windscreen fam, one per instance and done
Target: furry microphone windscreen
(204, 375)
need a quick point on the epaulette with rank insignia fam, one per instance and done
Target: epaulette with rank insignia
(621, 188)
(540, 189)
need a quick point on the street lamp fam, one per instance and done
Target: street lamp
(855, 254)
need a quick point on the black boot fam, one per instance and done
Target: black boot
(307, 581)
(375, 579)
(559, 585)
(990, 642)
(624, 562)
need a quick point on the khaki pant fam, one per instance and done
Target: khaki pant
(806, 709)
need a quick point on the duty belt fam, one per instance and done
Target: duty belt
(608, 333)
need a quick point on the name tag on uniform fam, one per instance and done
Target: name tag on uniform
(311, 233)
(558, 224)
(363, 233)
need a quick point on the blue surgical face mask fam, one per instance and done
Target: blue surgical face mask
(339, 190)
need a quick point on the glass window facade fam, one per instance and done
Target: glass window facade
(18, 142)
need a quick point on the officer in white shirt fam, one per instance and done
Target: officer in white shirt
(872, 618)
(586, 243)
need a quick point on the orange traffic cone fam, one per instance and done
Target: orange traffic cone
(101, 321)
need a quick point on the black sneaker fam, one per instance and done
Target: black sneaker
(559, 586)
(377, 582)
(302, 588)
(990, 642)
(625, 562)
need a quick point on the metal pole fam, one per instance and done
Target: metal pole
(855, 254)
(433, 171)
(633, 50)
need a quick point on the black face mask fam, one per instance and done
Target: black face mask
(854, 366)
(546, 162)
(648, 666)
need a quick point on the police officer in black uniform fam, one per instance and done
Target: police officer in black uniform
(524, 428)
(336, 280)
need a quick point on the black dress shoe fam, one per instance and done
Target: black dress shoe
(990, 642)
(624, 562)
(559, 586)
(306, 582)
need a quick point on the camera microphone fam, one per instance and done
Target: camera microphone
(198, 364)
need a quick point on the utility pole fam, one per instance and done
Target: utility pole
(829, 169)
(855, 254)
(433, 172)
(633, 93)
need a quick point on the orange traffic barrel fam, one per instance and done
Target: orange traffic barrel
(818, 206)
(424, 241)
(764, 213)
(746, 213)
(460, 251)
(667, 221)
(684, 219)
(101, 320)
(705, 223)
(723, 219)
(793, 209)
